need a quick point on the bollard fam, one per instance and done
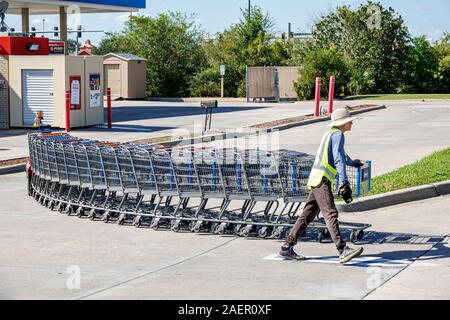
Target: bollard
(67, 110)
(331, 96)
(317, 111)
(108, 99)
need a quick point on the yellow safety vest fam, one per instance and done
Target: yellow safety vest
(321, 167)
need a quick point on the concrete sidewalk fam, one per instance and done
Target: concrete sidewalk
(407, 256)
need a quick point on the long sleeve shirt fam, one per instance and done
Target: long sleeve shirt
(337, 157)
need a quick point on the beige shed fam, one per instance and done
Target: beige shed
(126, 75)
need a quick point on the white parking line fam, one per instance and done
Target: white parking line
(360, 261)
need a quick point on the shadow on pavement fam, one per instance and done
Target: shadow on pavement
(399, 258)
(125, 128)
(120, 114)
(14, 132)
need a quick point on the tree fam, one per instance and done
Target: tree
(423, 64)
(442, 75)
(246, 43)
(172, 45)
(324, 63)
(372, 39)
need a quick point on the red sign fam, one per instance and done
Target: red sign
(23, 46)
(75, 92)
(56, 47)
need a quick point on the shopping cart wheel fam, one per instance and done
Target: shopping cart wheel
(323, 234)
(121, 219)
(91, 214)
(137, 222)
(60, 207)
(237, 229)
(263, 232)
(106, 217)
(360, 235)
(213, 227)
(220, 229)
(354, 235)
(51, 205)
(155, 224)
(80, 212)
(175, 225)
(68, 210)
(245, 232)
(195, 226)
(320, 236)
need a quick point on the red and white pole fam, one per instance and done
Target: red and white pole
(316, 110)
(67, 110)
(108, 104)
(331, 96)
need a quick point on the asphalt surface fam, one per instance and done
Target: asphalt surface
(46, 255)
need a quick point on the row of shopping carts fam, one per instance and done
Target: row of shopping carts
(223, 191)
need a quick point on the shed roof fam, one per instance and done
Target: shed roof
(124, 56)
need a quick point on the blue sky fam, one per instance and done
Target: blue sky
(428, 18)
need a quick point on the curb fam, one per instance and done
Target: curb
(16, 168)
(397, 197)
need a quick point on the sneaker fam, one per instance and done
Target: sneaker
(288, 253)
(348, 254)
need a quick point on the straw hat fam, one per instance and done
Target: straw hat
(340, 117)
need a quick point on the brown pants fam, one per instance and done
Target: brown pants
(320, 199)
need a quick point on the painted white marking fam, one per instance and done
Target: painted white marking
(360, 261)
(275, 257)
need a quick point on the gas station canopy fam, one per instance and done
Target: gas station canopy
(86, 6)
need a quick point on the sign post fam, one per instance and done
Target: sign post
(222, 84)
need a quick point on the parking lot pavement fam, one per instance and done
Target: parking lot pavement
(47, 255)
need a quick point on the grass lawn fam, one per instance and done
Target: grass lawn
(431, 169)
(411, 96)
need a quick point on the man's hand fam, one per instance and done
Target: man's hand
(358, 163)
(345, 192)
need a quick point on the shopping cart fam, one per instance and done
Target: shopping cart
(159, 187)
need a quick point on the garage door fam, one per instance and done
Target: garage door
(112, 79)
(37, 94)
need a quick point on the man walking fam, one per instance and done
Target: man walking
(331, 160)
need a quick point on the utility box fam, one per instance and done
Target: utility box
(126, 75)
